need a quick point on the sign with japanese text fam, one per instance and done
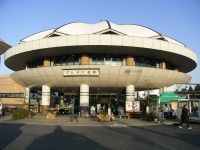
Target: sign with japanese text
(80, 72)
(129, 106)
(132, 106)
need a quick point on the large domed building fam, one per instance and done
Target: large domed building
(91, 62)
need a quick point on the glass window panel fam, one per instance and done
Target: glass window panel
(115, 60)
(39, 63)
(64, 60)
(21, 95)
(71, 60)
(152, 63)
(100, 60)
(12, 95)
(107, 59)
(76, 60)
(94, 59)
(142, 61)
(57, 61)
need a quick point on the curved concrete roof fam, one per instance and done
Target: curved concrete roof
(184, 59)
(110, 77)
(79, 28)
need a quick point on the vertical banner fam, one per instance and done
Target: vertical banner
(129, 106)
(136, 106)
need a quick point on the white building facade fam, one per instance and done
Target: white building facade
(98, 62)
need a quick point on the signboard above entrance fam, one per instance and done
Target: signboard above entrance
(80, 72)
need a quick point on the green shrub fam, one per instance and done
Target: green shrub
(22, 114)
(148, 116)
(104, 113)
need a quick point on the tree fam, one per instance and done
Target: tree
(190, 88)
(197, 88)
(148, 86)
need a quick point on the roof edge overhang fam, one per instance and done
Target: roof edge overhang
(184, 59)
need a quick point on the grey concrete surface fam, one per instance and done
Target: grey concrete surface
(121, 134)
(63, 120)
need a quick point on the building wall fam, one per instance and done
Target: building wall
(7, 85)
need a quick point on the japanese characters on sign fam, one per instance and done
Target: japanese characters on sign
(132, 106)
(81, 72)
(129, 106)
(136, 106)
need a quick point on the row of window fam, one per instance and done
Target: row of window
(111, 60)
(11, 95)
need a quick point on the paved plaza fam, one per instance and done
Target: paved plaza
(63, 120)
(124, 133)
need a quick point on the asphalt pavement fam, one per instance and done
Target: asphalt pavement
(123, 133)
(63, 120)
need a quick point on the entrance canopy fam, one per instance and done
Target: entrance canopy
(169, 97)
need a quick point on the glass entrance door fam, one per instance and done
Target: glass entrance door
(101, 102)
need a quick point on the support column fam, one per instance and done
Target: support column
(84, 98)
(162, 65)
(27, 95)
(85, 59)
(162, 89)
(130, 60)
(46, 62)
(45, 99)
(130, 90)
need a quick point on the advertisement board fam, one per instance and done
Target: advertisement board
(136, 106)
(132, 106)
(129, 106)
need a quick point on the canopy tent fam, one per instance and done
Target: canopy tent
(168, 97)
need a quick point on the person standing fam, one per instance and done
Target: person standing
(170, 111)
(166, 111)
(1, 113)
(185, 117)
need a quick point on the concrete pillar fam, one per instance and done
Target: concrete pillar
(157, 65)
(162, 89)
(46, 62)
(45, 99)
(130, 90)
(130, 60)
(163, 65)
(27, 95)
(85, 59)
(84, 98)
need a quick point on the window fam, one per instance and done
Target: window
(11, 95)
(100, 60)
(64, 60)
(107, 59)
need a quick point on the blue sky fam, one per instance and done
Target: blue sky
(178, 19)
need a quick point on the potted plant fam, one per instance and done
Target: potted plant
(51, 114)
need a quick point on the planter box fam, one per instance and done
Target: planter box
(105, 118)
(51, 116)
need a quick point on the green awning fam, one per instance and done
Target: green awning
(169, 97)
